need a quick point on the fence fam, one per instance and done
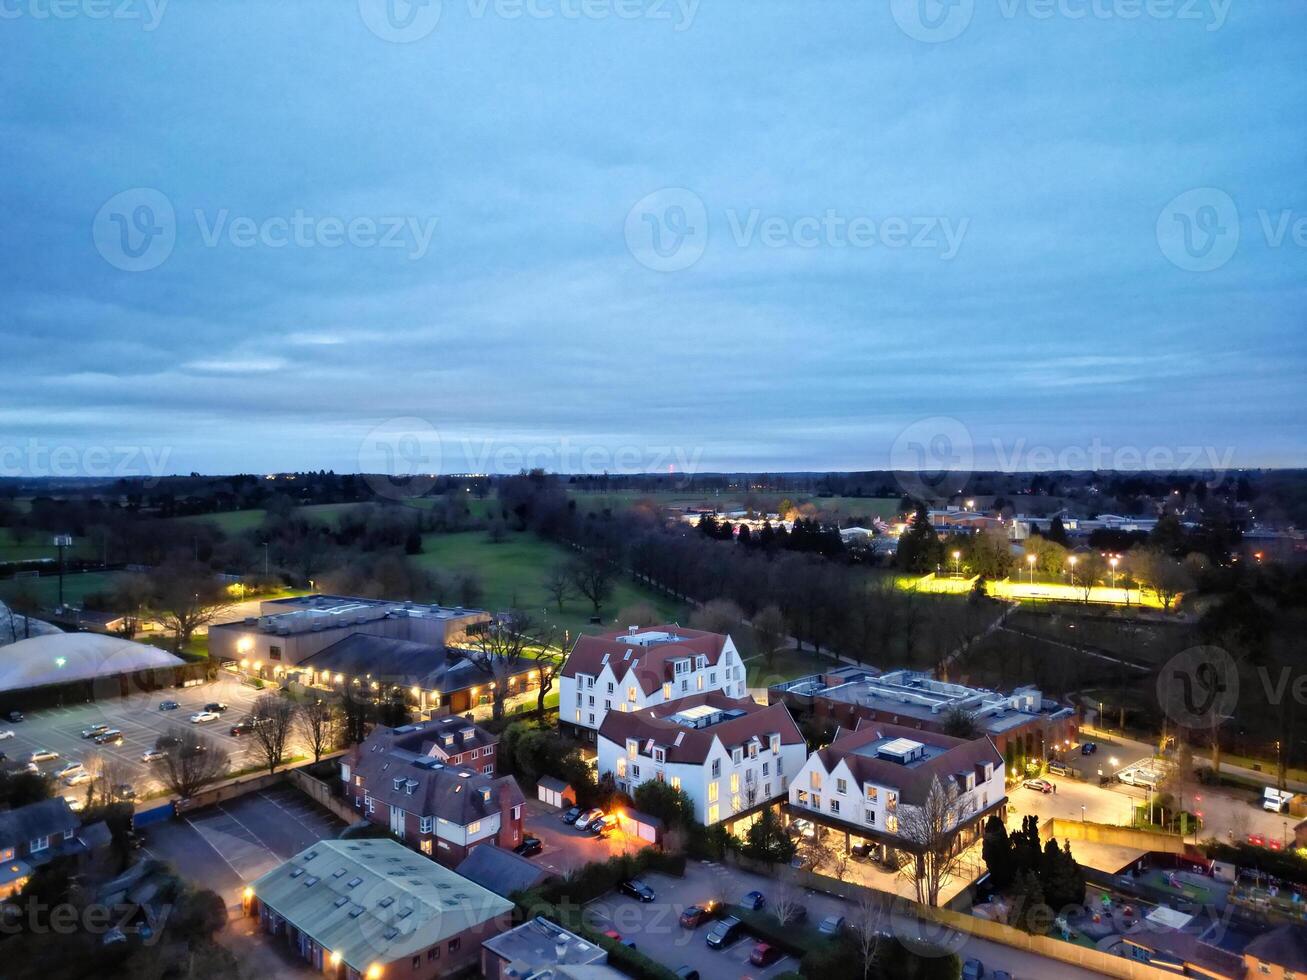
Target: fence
(321, 794)
(1101, 833)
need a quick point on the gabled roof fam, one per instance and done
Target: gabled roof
(652, 662)
(375, 900)
(426, 786)
(1285, 946)
(52, 816)
(959, 757)
(500, 870)
(657, 726)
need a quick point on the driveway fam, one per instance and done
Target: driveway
(565, 847)
(225, 846)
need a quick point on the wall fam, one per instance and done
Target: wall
(322, 795)
(1098, 833)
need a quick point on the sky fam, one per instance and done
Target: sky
(629, 235)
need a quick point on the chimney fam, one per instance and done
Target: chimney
(510, 833)
(560, 950)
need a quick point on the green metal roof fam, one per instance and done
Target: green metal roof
(375, 901)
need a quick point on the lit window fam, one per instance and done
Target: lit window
(474, 826)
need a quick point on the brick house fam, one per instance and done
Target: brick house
(32, 835)
(397, 778)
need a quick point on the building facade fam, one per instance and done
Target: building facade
(731, 756)
(628, 670)
(396, 779)
(868, 783)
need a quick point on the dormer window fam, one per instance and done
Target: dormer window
(737, 756)
(660, 755)
(398, 783)
(632, 748)
(700, 662)
(776, 743)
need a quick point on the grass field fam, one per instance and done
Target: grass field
(39, 545)
(230, 521)
(785, 666)
(512, 572)
(76, 586)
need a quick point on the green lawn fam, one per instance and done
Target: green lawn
(38, 544)
(512, 572)
(785, 666)
(76, 586)
(230, 521)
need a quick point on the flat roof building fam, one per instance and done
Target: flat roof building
(541, 948)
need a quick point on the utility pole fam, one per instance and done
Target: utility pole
(62, 541)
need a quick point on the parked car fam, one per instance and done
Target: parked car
(69, 767)
(42, 755)
(168, 705)
(693, 916)
(217, 707)
(616, 937)
(166, 742)
(152, 755)
(1088, 748)
(764, 954)
(1059, 768)
(584, 820)
(529, 846)
(124, 791)
(637, 889)
(571, 815)
(687, 973)
(7, 733)
(724, 932)
(863, 850)
(202, 716)
(77, 777)
(973, 969)
(1042, 785)
(831, 925)
(75, 803)
(94, 730)
(112, 737)
(14, 716)
(802, 828)
(1001, 975)
(247, 726)
(753, 901)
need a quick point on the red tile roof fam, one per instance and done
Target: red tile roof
(652, 664)
(913, 782)
(691, 745)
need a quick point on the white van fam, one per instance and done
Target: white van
(1276, 800)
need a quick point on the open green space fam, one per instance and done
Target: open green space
(786, 665)
(513, 570)
(38, 544)
(230, 521)
(77, 586)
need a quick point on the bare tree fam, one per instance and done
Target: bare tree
(505, 647)
(192, 761)
(931, 830)
(558, 584)
(273, 718)
(867, 927)
(718, 616)
(641, 613)
(769, 633)
(110, 777)
(319, 725)
(592, 574)
(815, 851)
(186, 595)
(785, 903)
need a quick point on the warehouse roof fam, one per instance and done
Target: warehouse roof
(59, 658)
(375, 900)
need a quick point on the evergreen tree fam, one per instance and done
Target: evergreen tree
(996, 849)
(1056, 532)
(920, 549)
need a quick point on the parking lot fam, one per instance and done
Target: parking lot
(564, 847)
(138, 717)
(224, 846)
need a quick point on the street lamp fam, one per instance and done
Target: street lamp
(1030, 561)
(957, 567)
(1112, 561)
(1072, 562)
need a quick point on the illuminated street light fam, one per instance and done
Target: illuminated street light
(1030, 561)
(957, 567)
(1112, 561)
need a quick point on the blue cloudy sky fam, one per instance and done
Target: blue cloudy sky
(633, 234)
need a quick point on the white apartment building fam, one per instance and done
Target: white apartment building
(627, 670)
(731, 756)
(866, 781)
